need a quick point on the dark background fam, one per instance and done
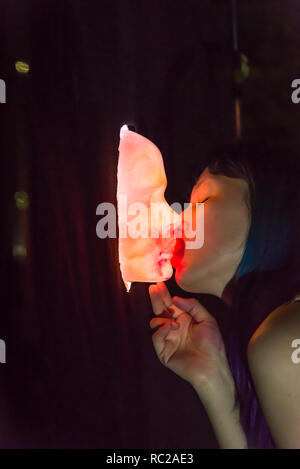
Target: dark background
(81, 370)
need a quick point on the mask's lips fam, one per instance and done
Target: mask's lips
(172, 251)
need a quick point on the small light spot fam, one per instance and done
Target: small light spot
(19, 250)
(123, 129)
(22, 200)
(22, 67)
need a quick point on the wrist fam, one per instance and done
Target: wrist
(218, 391)
(219, 399)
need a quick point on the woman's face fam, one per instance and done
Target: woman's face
(226, 225)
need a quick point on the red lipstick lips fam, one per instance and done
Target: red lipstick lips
(178, 252)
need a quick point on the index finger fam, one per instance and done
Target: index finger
(161, 301)
(164, 294)
(158, 304)
(156, 300)
(171, 309)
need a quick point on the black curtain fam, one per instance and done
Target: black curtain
(80, 370)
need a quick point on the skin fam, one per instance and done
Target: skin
(187, 338)
(226, 223)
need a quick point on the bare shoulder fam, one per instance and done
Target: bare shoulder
(274, 338)
(274, 363)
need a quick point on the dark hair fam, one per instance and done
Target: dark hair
(269, 272)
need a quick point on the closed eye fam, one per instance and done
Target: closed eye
(202, 201)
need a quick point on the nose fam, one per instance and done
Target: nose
(192, 225)
(184, 222)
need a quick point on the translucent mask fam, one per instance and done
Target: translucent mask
(148, 226)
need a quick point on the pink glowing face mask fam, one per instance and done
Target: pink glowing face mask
(148, 226)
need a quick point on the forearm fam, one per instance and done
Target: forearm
(218, 399)
(228, 429)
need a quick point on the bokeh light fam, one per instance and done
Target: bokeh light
(22, 200)
(22, 67)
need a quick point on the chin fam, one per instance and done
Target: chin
(190, 281)
(184, 280)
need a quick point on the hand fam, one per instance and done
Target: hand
(188, 342)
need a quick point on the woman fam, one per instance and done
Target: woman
(250, 385)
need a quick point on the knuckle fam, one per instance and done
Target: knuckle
(194, 301)
(162, 359)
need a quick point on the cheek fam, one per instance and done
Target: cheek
(216, 234)
(225, 230)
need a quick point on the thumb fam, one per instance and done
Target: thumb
(193, 307)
